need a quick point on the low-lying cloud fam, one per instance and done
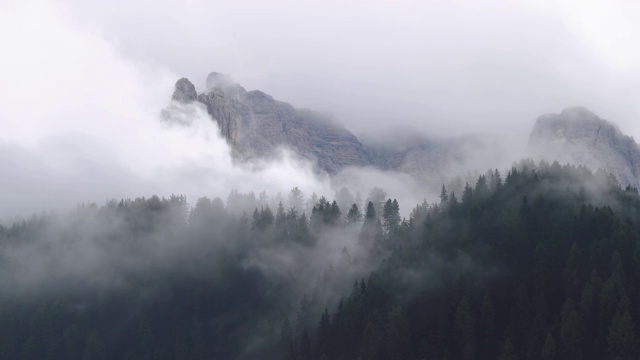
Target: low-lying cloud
(81, 123)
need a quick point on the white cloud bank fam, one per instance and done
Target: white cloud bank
(81, 122)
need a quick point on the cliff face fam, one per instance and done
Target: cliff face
(184, 91)
(579, 136)
(256, 125)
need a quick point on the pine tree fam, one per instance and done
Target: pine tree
(453, 203)
(354, 215)
(372, 336)
(487, 327)
(571, 275)
(464, 329)
(622, 341)
(286, 336)
(323, 344)
(371, 233)
(305, 346)
(296, 199)
(495, 181)
(508, 351)
(371, 212)
(467, 195)
(482, 189)
(398, 336)
(444, 197)
(549, 349)
(377, 197)
(571, 331)
(391, 215)
(334, 214)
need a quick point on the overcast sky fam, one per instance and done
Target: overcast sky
(441, 64)
(82, 82)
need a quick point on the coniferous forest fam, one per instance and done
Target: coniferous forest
(539, 262)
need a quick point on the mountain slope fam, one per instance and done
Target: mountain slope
(256, 124)
(578, 136)
(542, 255)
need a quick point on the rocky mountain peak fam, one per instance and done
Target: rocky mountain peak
(579, 113)
(184, 91)
(256, 125)
(577, 135)
(223, 85)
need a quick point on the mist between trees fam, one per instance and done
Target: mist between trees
(539, 263)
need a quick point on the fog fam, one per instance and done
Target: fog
(84, 82)
(86, 118)
(81, 123)
(440, 66)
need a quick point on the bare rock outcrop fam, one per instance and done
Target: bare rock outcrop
(579, 136)
(256, 125)
(185, 91)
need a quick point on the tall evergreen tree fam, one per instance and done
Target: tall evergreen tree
(444, 196)
(399, 345)
(465, 330)
(354, 215)
(622, 342)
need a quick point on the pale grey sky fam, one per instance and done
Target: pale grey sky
(441, 64)
(83, 81)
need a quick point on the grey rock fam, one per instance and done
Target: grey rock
(435, 161)
(184, 91)
(256, 125)
(227, 112)
(224, 86)
(579, 136)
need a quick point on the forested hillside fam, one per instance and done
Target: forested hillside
(539, 263)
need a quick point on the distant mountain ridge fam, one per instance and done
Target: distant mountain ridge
(255, 125)
(579, 136)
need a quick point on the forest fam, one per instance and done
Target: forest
(539, 262)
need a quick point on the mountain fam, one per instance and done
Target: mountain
(542, 265)
(256, 125)
(579, 136)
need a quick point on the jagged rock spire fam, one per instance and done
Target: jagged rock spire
(184, 91)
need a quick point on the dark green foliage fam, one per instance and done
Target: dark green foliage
(549, 349)
(325, 213)
(305, 346)
(354, 215)
(399, 345)
(511, 272)
(508, 351)
(444, 196)
(371, 212)
(542, 265)
(622, 342)
(487, 328)
(391, 215)
(464, 329)
(371, 234)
